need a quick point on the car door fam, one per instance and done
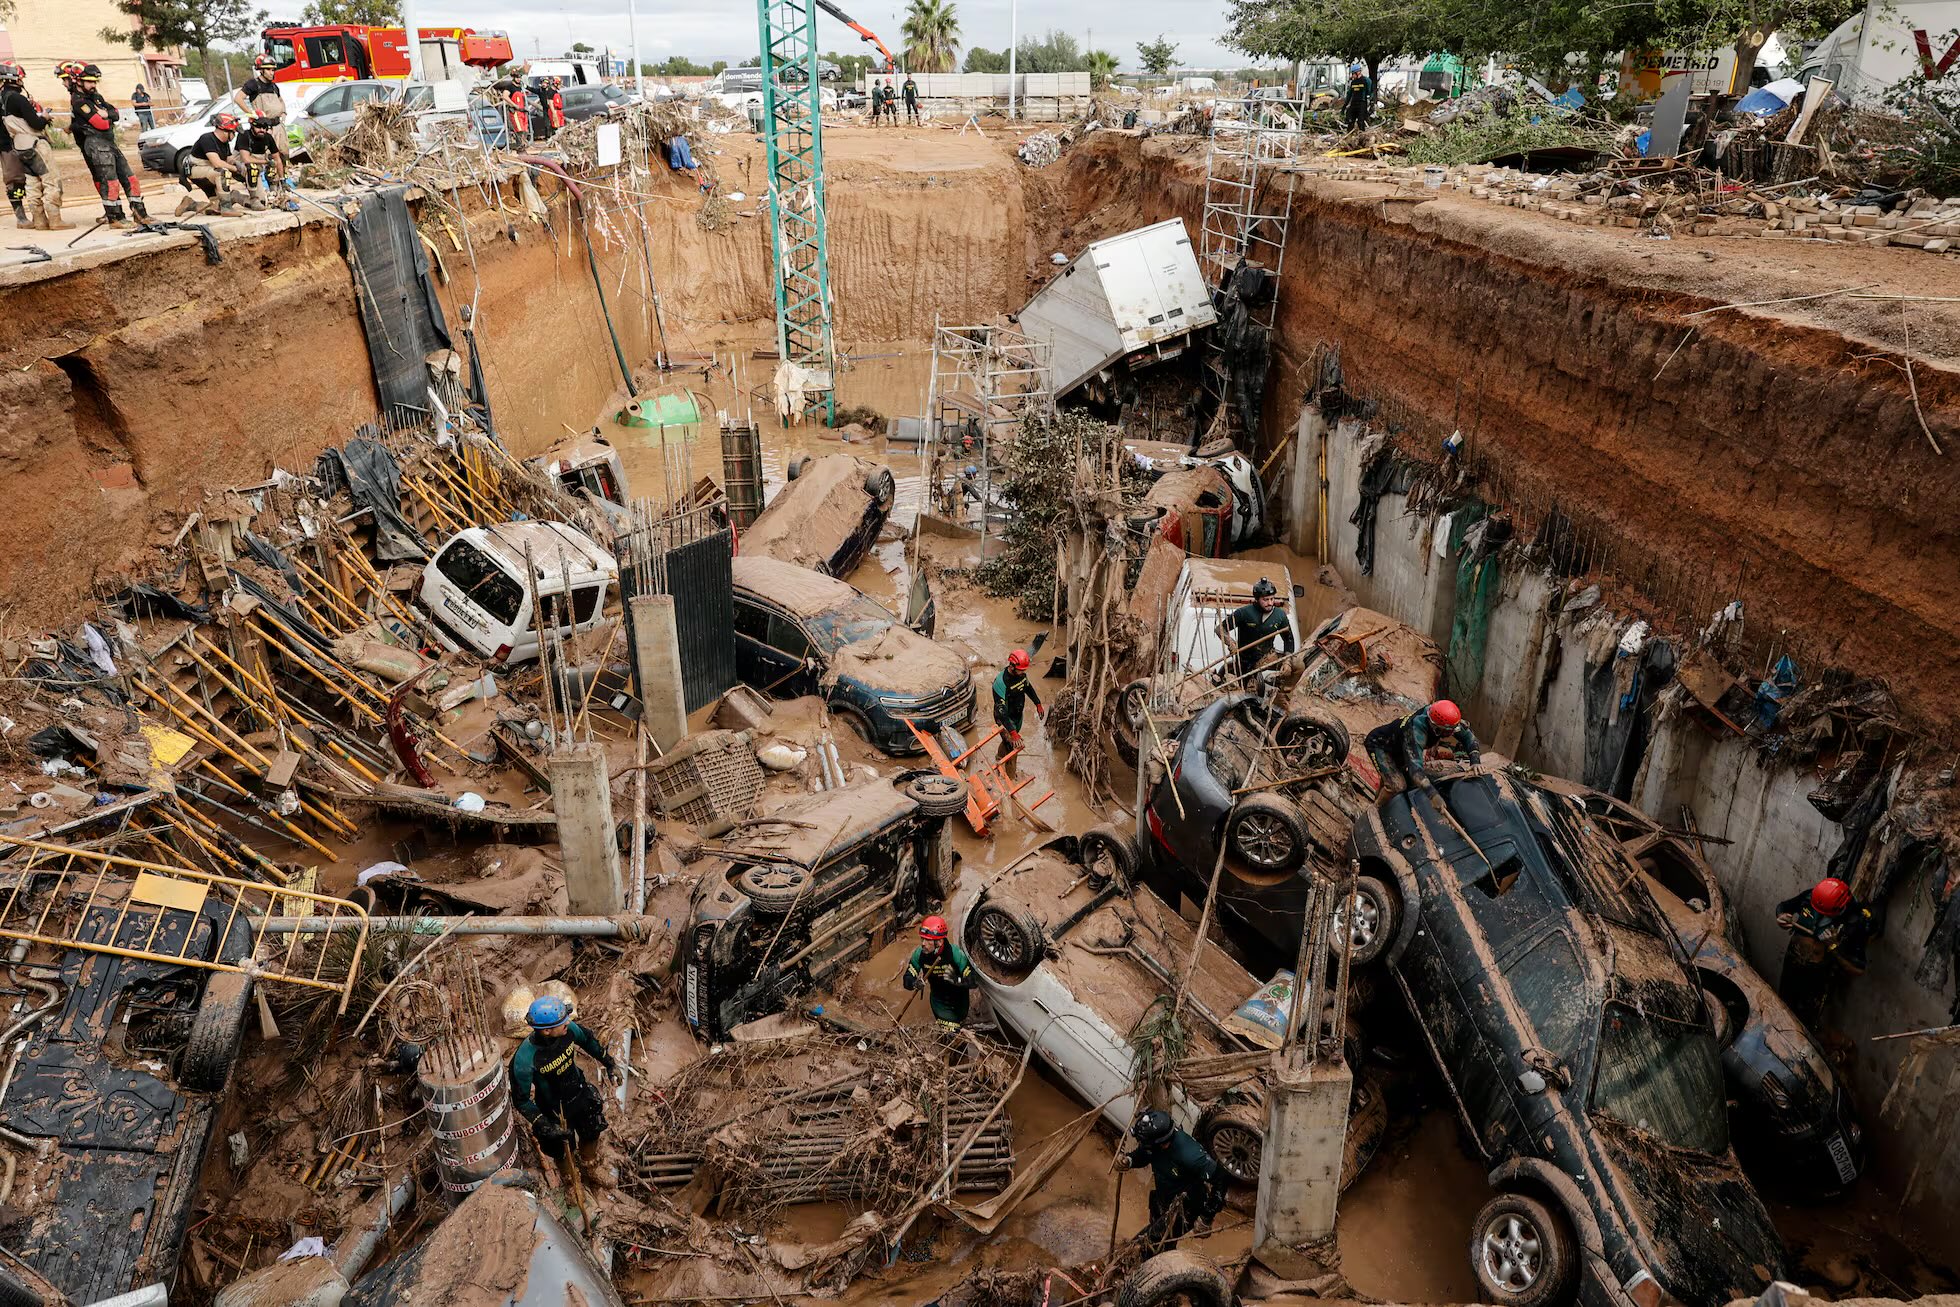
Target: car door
(324, 111)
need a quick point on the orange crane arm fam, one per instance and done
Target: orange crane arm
(864, 33)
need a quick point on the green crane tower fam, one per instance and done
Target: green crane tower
(793, 131)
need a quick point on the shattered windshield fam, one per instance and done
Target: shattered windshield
(1663, 1078)
(860, 619)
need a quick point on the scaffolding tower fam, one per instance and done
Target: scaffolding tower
(985, 381)
(793, 132)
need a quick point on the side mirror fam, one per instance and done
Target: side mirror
(1299, 591)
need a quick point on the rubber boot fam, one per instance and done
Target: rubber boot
(142, 212)
(112, 216)
(21, 220)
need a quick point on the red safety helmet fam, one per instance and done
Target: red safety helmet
(225, 122)
(265, 61)
(1445, 714)
(933, 930)
(1018, 660)
(1830, 896)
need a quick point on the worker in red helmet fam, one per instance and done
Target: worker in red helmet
(1828, 932)
(212, 177)
(944, 969)
(1402, 749)
(1013, 691)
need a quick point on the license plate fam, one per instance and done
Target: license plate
(1841, 1154)
(690, 994)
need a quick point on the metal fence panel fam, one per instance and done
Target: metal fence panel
(701, 577)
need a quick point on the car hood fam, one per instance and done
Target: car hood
(898, 661)
(1708, 1227)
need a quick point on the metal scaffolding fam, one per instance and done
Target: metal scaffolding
(793, 131)
(985, 380)
(1249, 143)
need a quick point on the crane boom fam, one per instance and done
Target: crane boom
(864, 33)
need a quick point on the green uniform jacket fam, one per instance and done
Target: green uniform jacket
(1012, 690)
(947, 978)
(1181, 1165)
(1252, 624)
(543, 1075)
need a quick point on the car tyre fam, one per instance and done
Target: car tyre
(1267, 834)
(178, 160)
(1523, 1252)
(1119, 846)
(1310, 741)
(774, 887)
(859, 722)
(1132, 702)
(1176, 1276)
(937, 796)
(797, 466)
(1377, 918)
(1006, 938)
(1235, 1134)
(216, 1033)
(882, 487)
(15, 1293)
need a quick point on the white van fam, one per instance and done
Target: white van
(1889, 43)
(474, 588)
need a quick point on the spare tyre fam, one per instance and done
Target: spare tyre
(216, 1032)
(1267, 835)
(1109, 846)
(1176, 1276)
(937, 796)
(774, 887)
(1005, 939)
(797, 466)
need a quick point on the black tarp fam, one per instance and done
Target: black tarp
(1619, 712)
(399, 310)
(374, 481)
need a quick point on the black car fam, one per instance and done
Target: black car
(801, 632)
(793, 897)
(1793, 1123)
(1578, 1049)
(582, 102)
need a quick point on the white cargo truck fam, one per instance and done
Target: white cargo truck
(1891, 43)
(1129, 301)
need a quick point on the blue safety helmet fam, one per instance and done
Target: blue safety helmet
(546, 1012)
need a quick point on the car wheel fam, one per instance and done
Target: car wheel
(1174, 1277)
(216, 1032)
(1235, 1134)
(858, 721)
(178, 160)
(1118, 847)
(883, 489)
(937, 796)
(1523, 1252)
(1006, 938)
(1377, 918)
(1132, 703)
(796, 466)
(774, 887)
(1267, 834)
(1310, 742)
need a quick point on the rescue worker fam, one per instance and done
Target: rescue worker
(92, 122)
(26, 125)
(257, 151)
(1399, 748)
(1013, 688)
(139, 100)
(1355, 110)
(944, 969)
(911, 100)
(547, 1086)
(551, 94)
(1188, 1183)
(889, 98)
(1259, 630)
(517, 115)
(210, 168)
(1828, 931)
(260, 98)
(12, 175)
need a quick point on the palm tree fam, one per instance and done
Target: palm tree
(1102, 65)
(932, 36)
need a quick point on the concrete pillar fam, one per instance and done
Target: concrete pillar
(1300, 1163)
(657, 669)
(581, 795)
(1303, 484)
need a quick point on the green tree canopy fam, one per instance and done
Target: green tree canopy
(932, 36)
(979, 59)
(365, 13)
(1057, 52)
(1158, 57)
(192, 24)
(1102, 66)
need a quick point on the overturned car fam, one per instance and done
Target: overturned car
(827, 516)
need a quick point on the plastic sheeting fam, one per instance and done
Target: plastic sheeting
(1478, 580)
(375, 481)
(1619, 699)
(399, 310)
(1377, 477)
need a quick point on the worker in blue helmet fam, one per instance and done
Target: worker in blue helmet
(547, 1086)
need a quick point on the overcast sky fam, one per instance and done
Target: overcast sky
(705, 30)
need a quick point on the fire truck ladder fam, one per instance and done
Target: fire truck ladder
(793, 131)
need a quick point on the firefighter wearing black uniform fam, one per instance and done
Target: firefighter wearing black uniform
(260, 98)
(26, 130)
(547, 1086)
(1400, 748)
(1189, 1184)
(92, 121)
(517, 114)
(1258, 630)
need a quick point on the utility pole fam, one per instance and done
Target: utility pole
(414, 34)
(1013, 39)
(633, 36)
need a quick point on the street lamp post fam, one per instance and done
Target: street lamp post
(1013, 40)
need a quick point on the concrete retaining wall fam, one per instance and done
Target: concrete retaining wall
(1780, 843)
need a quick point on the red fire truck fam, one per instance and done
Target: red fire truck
(339, 52)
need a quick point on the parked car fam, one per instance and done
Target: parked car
(336, 108)
(487, 118)
(793, 897)
(827, 516)
(801, 632)
(582, 102)
(590, 468)
(1578, 1049)
(122, 1070)
(476, 591)
(1072, 955)
(1792, 1120)
(852, 98)
(164, 149)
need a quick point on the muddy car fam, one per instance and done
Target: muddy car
(1240, 515)
(1072, 956)
(801, 632)
(827, 516)
(792, 898)
(1576, 1045)
(121, 1067)
(1793, 1123)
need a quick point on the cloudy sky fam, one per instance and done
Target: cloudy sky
(705, 30)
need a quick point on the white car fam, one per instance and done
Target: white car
(475, 589)
(164, 149)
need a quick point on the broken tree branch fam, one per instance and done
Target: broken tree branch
(1913, 385)
(1788, 299)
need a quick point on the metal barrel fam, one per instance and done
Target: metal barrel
(741, 466)
(474, 1124)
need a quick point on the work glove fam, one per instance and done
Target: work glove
(1041, 711)
(608, 1071)
(549, 1131)
(911, 980)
